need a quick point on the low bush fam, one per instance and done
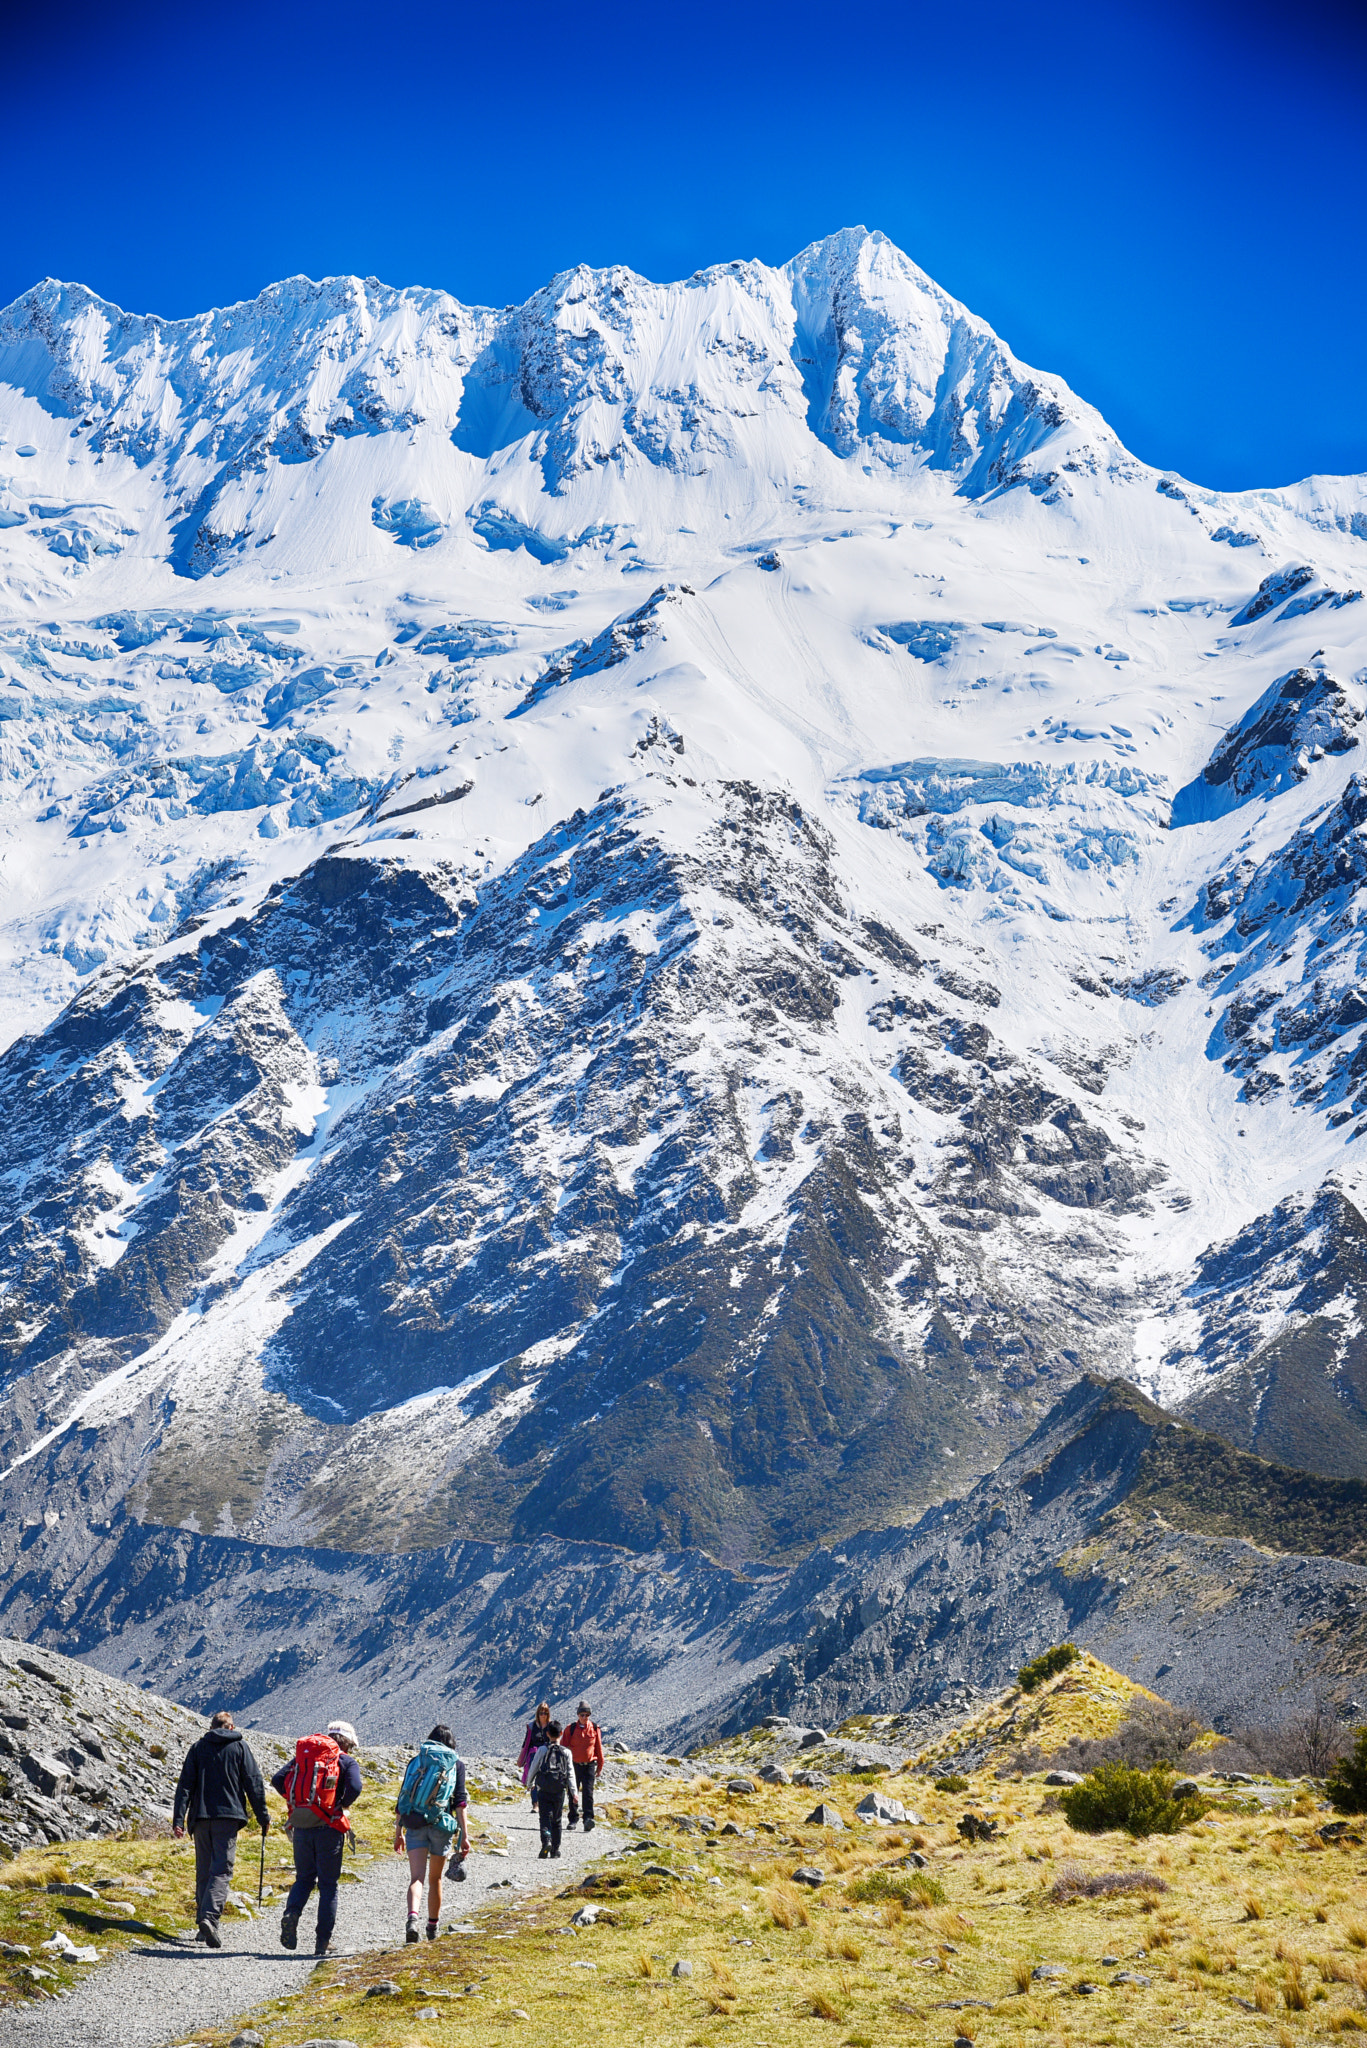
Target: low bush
(911, 1888)
(1152, 1732)
(1032, 1675)
(951, 1782)
(1118, 1796)
(1347, 1782)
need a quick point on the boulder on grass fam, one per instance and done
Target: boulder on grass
(823, 1816)
(878, 1807)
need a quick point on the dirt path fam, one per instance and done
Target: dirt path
(158, 1995)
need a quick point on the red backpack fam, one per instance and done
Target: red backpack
(316, 1780)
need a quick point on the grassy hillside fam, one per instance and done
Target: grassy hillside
(1199, 1482)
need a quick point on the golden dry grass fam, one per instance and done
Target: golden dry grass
(773, 1962)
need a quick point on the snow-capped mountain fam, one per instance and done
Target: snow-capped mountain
(653, 916)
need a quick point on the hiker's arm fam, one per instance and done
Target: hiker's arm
(185, 1786)
(256, 1789)
(350, 1784)
(461, 1804)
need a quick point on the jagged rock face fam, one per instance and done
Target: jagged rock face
(1303, 717)
(604, 1239)
(1276, 1335)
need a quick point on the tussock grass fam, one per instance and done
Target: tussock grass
(913, 1888)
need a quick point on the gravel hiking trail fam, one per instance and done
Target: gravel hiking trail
(160, 1993)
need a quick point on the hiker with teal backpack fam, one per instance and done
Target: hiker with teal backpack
(431, 1808)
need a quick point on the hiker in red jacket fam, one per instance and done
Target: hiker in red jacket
(318, 1785)
(585, 1744)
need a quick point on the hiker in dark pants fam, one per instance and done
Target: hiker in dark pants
(319, 1783)
(584, 1742)
(219, 1779)
(552, 1775)
(536, 1737)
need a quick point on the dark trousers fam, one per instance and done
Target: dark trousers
(583, 1778)
(549, 1807)
(215, 1855)
(317, 1861)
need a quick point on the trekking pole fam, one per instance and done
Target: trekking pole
(261, 1880)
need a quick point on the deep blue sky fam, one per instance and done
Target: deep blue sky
(1162, 202)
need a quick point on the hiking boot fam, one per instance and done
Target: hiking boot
(555, 1855)
(589, 1826)
(545, 1851)
(410, 1932)
(209, 1934)
(289, 1931)
(431, 1930)
(326, 1950)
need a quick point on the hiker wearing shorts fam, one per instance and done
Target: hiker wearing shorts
(431, 1808)
(317, 1786)
(552, 1776)
(537, 1736)
(584, 1742)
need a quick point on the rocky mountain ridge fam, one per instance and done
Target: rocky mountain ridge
(497, 1050)
(1061, 1542)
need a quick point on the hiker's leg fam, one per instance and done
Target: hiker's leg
(327, 1857)
(551, 1828)
(223, 1855)
(305, 1870)
(417, 1872)
(204, 1856)
(435, 1868)
(584, 1774)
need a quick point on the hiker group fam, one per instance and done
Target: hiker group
(557, 1763)
(220, 1783)
(221, 1779)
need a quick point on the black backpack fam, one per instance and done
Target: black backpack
(556, 1768)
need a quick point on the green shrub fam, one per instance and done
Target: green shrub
(912, 1887)
(951, 1782)
(1033, 1674)
(1346, 1785)
(1116, 1796)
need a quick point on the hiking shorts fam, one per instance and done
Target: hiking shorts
(436, 1841)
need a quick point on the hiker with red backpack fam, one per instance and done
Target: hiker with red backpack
(584, 1741)
(431, 1808)
(318, 1785)
(552, 1776)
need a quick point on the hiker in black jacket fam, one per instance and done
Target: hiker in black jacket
(219, 1780)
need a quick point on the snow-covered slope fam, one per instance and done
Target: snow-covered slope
(653, 915)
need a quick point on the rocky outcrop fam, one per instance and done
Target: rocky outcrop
(1303, 717)
(83, 1754)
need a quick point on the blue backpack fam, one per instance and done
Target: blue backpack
(429, 1786)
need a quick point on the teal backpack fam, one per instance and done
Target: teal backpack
(429, 1786)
